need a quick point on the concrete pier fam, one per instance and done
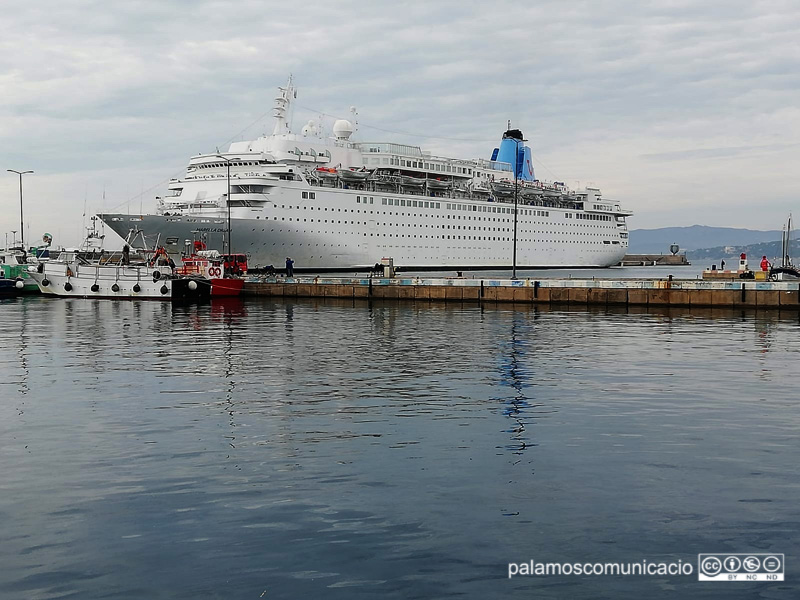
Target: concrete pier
(654, 260)
(604, 292)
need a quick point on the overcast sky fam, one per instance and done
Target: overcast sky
(685, 112)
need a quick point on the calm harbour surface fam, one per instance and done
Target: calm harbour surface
(332, 449)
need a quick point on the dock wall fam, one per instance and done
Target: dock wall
(652, 292)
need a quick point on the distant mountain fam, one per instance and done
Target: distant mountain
(657, 241)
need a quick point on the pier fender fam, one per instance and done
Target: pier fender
(68, 287)
(96, 288)
(164, 289)
(193, 285)
(45, 282)
(137, 288)
(115, 287)
(536, 289)
(19, 284)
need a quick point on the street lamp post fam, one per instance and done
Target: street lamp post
(228, 164)
(21, 226)
(516, 208)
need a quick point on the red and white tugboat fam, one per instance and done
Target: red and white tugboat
(225, 271)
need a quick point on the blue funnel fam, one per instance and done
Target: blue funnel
(514, 152)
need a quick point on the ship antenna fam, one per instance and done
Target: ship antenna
(282, 106)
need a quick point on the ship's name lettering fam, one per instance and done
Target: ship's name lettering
(211, 229)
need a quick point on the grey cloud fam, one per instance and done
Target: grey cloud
(604, 90)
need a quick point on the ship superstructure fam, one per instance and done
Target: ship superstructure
(334, 203)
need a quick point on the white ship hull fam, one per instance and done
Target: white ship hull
(348, 248)
(335, 232)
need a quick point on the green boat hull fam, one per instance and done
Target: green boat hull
(21, 272)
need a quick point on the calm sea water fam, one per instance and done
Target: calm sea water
(335, 450)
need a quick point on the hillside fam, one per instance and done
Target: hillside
(656, 241)
(772, 250)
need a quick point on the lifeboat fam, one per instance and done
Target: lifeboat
(328, 173)
(503, 188)
(438, 184)
(353, 176)
(409, 181)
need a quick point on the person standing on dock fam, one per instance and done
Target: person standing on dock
(722, 266)
(765, 264)
(289, 267)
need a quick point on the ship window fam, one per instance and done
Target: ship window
(383, 201)
(426, 205)
(305, 195)
(358, 199)
(312, 195)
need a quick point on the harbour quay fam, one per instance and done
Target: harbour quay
(767, 295)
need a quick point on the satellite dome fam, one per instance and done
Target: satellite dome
(342, 129)
(310, 128)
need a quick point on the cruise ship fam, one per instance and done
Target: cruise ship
(333, 203)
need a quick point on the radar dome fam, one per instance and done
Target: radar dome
(342, 129)
(310, 128)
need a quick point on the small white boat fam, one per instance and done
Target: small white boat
(73, 275)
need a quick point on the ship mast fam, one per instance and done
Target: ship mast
(281, 108)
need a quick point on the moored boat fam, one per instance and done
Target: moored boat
(221, 271)
(75, 276)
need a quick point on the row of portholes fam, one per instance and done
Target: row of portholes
(480, 238)
(435, 237)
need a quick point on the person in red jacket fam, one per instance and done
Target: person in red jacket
(765, 264)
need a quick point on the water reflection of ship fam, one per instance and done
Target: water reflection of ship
(518, 404)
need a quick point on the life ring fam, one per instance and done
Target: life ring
(214, 271)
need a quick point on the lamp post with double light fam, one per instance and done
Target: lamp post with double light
(516, 207)
(229, 252)
(21, 225)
